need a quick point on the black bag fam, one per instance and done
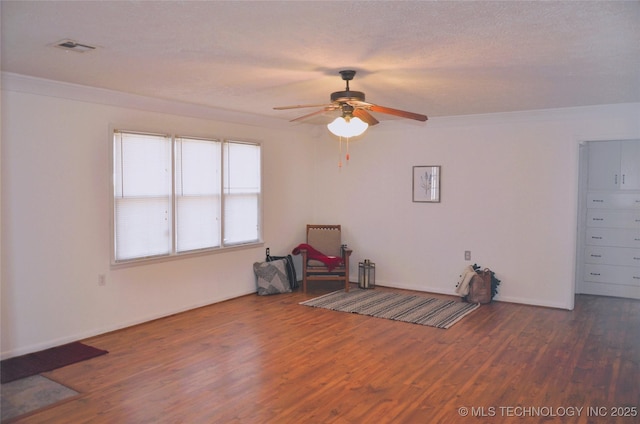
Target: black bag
(291, 270)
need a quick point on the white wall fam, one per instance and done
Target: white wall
(56, 232)
(509, 195)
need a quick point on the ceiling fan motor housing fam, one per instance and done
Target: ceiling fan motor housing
(347, 96)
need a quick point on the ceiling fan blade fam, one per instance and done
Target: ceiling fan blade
(309, 115)
(301, 106)
(359, 104)
(398, 112)
(365, 116)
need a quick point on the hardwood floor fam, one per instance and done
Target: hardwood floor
(269, 360)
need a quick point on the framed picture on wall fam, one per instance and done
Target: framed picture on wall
(426, 184)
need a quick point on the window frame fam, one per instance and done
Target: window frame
(174, 253)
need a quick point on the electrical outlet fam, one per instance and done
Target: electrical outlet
(467, 255)
(102, 280)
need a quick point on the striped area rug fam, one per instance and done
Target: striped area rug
(396, 306)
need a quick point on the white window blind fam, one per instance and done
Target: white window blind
(197, 194)
(175, 195)
(142, 195)
(242, 192)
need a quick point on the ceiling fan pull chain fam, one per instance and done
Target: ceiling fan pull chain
(347, 150)
(340, 154)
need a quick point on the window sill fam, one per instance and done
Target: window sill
(186, 255)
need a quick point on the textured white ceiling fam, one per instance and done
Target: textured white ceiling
(436, 58)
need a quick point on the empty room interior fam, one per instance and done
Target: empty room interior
(151, 151)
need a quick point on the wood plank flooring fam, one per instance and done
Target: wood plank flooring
(269, 360)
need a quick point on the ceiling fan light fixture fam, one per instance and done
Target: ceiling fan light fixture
(352, 127)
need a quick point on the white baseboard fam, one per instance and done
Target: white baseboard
(109, 328)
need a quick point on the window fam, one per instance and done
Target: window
(198, 195)
(175, 195)
(142, 195)
(241, 192)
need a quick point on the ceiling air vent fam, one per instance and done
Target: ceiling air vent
(73, 46)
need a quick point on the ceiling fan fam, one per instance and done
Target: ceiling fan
(352, 105)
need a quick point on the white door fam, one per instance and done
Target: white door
(604, 165)
(630, 165)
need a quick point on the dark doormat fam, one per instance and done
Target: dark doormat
(46, 360)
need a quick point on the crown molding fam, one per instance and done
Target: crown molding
(621, 110)
(45, 87)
